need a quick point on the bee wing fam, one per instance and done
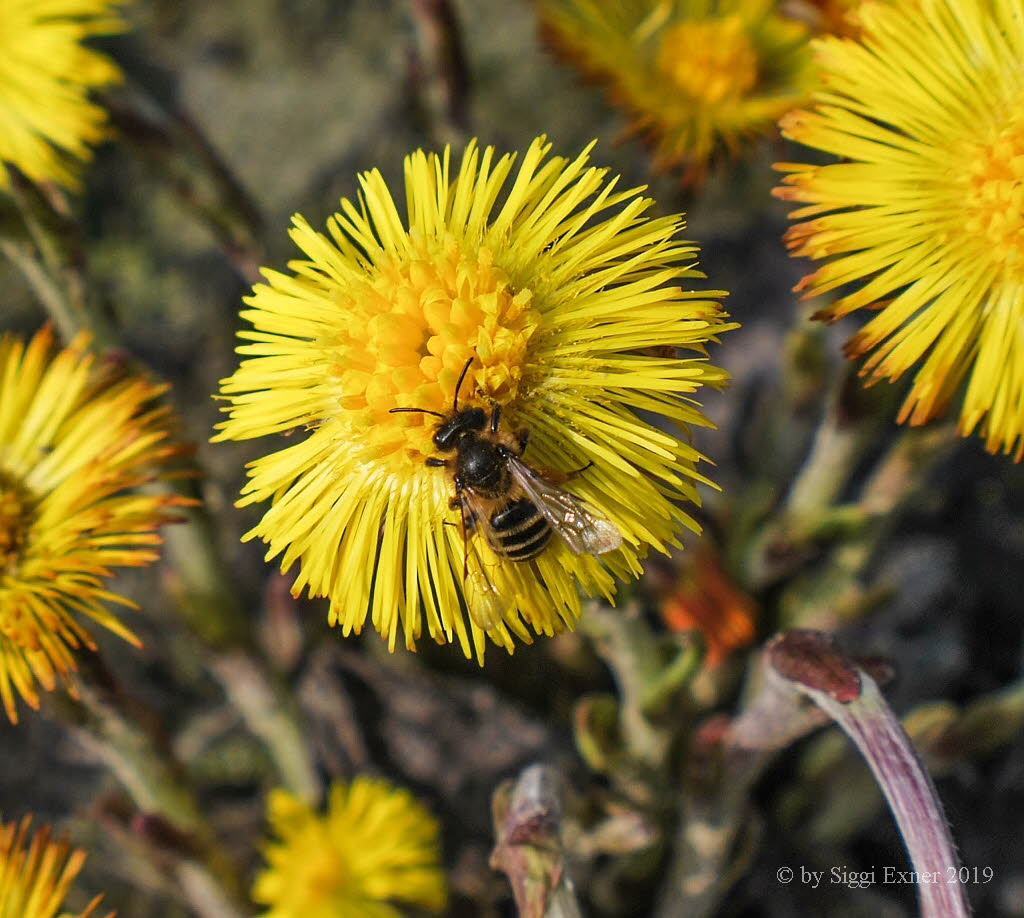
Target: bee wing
(485, 604)
(584, 530)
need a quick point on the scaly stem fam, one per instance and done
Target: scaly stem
(527, 823)
(624, 640)
(811, 663)
(440, 71)
(128, 739)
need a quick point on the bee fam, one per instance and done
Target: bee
(518, 508)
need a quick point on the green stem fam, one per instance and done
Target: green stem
(624, 640)
(42, 241)
(215, 613)
(714, 840)
(441, 74)
(834, 592)
(128, 739)
(270, 713)
(68, 320)
(851, 425)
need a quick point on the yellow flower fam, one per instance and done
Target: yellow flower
(924, 217)
(699, 78)
(35, 877)
(46, 118)
(374, 846)
(553, 294)
(75, 434)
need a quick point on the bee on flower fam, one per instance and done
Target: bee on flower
(920, 220)
(77, 434)
(699, 79)
(48, 123)
(512, 309)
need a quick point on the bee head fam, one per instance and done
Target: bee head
(458, 425)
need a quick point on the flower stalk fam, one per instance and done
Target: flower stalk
(42, 240)
(527, 816)
(715, 837)
(811, 663)
(645, 676)
(183, 156)
(853, 420)
(440, 72)
(129, 741)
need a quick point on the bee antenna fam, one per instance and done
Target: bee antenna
(458, 385)
(436, 414)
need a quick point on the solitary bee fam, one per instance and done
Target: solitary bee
(516, 506)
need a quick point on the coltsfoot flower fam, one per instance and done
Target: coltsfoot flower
(376, 847)
(699, 78)
(47, 121)
(36, 873)
(76, 434)
(564, 300)
(923, 217)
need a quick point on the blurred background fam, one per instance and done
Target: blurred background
(296, 97)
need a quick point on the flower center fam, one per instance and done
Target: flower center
(320, 877)
(994, 195)
(15, 519)
(16, 513)
(411, 326)
(710, 59)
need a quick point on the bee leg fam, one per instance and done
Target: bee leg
(579, 471)
(522, 438)
(558, 477)
(495, 417)
(436, 463)
(459, 503)
(468, 527)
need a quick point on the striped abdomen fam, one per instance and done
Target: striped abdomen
(518, 531)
